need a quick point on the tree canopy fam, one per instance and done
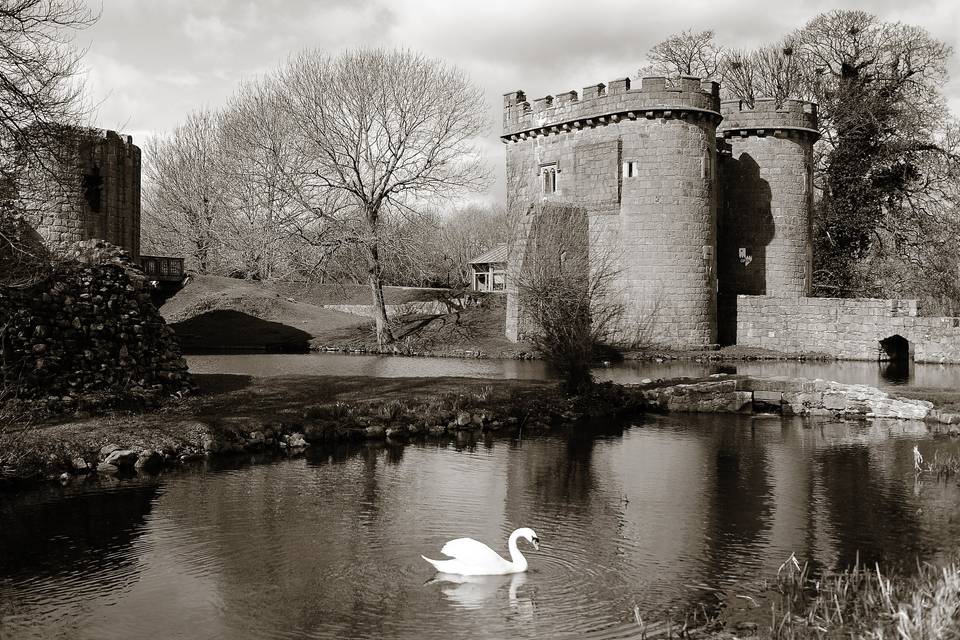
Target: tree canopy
(887, 163)
(339, 155)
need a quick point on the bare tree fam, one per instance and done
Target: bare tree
(382, 131)
(259, 148)
(185, 190)
(771, 71)
(39, 68)
(689, 53)
(569, 295)
(39, 93)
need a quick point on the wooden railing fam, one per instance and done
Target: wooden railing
(162, 267)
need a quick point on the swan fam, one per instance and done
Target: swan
(473, 558)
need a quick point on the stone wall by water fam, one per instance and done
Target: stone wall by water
(790, 396)
(846, 328)
(87, 334)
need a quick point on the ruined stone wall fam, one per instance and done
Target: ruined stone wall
(88, 335)
(641, 162)
(88, 188)
(766, 182)
(847, 328)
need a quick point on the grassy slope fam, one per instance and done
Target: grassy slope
(472, 329)
(223, 313)
(353, 293)
(214, 312)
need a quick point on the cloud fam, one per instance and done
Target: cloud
(153, 62)
(179, 78)
(209, 30)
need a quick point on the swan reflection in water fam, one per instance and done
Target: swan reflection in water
(477, 592)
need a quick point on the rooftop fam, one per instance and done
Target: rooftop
(497, 253)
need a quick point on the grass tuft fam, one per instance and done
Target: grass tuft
(863, 602)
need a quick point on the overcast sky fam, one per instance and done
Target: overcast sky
(152, 61)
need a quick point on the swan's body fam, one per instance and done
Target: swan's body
(473, 558)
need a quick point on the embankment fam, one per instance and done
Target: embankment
(234, 414)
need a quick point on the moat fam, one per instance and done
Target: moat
(663, 514)
(850, 372)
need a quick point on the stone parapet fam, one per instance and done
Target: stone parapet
(766, 117)
(603, 104)
(846, 328)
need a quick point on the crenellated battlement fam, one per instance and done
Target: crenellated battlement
(110, 137)
(768, 118)
(605, 103)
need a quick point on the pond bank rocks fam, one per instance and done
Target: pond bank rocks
(789, 396)
(142, 444)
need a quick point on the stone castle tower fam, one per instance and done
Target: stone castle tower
(766, 184)
(89, 187)
(679, 227)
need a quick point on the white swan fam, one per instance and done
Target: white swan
(473, 558)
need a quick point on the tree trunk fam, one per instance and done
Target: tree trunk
(384, 335)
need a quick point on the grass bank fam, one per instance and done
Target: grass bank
(217, 313)
(475, 331)
(233, 413)
(859, 602)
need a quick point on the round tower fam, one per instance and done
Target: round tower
(766, 182)
(87, 186)
(640, 161)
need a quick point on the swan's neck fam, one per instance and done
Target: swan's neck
(519, 562)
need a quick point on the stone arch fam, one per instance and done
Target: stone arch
(895, 348)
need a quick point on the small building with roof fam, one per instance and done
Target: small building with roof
(490, 270)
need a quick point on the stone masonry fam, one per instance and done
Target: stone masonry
(641, 162)
(766, 179)
(704, 209)
(847, 328)
(88, 188)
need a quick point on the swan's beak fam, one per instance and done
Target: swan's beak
(536, 543)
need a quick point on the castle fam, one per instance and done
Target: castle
(707, 206)
(86, 188)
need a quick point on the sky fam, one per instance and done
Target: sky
(152, 62)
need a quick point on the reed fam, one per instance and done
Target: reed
(944, 465)
(863, 602)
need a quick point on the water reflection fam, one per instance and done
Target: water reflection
(740, 510)
(476, 592)
(53, 539)
(880, 374)
(643, 514)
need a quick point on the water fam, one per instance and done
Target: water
(872, 373)
(649, 514)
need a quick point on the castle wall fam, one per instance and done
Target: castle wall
(89, 188)
(766, 181)
(641, 163)
(847, 328)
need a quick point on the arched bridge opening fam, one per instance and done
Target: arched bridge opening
(895, 354)
(896, 348)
